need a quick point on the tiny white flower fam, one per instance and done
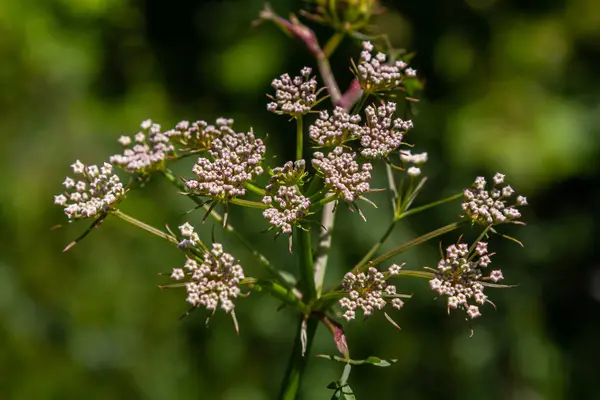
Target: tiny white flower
(498, 178)
(125, 140)
(61, 200)
(397, 303)
(69, 183)
(496, 275)
(78, 167)
(177, 274)
(146, 124)
(186, 229)
(473, 312)
(414, 171)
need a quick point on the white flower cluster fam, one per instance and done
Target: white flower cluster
(236, 159)
(97, 191)
(335, 129)
(287, 204)
(459, 277)
(294, 96)
(199, 135)
(146, 152)
(489, 206)
(375, 75)
(343, 174)
(382, 134)
(368, 292)
(415, 159)
(213, 282)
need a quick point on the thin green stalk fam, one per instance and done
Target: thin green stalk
(247, 203)
(333, 43)
(421, 239)
(297, 363)
(307, 280)
(299, 138)
(146, 227)
(428, 206)
(255, 189)
(285, 295)
(375, 247)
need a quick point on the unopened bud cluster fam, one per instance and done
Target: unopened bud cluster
(236, 159)
(369, 292)
(287, 204)
(335, 129)
(146, 152)
(213, 282)
(295, 96)
(459, 277)
(382, 133)
(199, 135)
(342, 174)
(375, 75)
(95, 193)
(487, 207)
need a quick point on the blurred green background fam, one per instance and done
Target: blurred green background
(511, 86)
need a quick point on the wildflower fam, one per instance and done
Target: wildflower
(490, 206)
(335, 129)
(343, 174)
(367, 292)
(375, 75)
(147, 152)
(295, 96)
(236, 159)
(382, 134)
(213, 282)
(287, 204)
(97, 191)
(459, 277)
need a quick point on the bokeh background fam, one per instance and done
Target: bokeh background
(511, 86)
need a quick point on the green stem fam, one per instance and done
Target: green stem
(299, 138)
(298, 361)
(285, 295)
(375, 247)
(333, 43)
(428, 206)
(247, 203)
(255, 189)
(144, 226)
(307, 279)
(421, 239)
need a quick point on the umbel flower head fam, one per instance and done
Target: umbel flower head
(459, 277)
(147, 151)
(287, 205)
(342, 174)
(199, 135)
(487, 207)
(369, 292)
(235, 160)
(212, 282)
(94, 193)
(382, 134)
(329, 131)
(295, 96)
(375, 75)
